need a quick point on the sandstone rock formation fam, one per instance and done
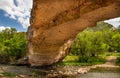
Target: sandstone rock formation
(55, 23)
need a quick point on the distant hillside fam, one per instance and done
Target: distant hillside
(101, 26)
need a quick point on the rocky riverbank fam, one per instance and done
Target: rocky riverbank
(55, 71)
(44, 72)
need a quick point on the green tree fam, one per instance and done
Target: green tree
(88, 43)
(12, 45)
(116, 42)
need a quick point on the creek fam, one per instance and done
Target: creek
(58, 72)
(101, 73)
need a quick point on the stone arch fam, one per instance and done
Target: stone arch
(55, 23)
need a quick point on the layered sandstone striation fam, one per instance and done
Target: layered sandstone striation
(55, 23)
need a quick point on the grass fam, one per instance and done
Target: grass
(72, 60)
(8, 74)
(118, 61)
(107, 54)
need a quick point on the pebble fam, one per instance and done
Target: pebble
(60, 72)
(23, 76)
(83, 70)
(1, 70)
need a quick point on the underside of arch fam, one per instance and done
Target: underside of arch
(55, 23)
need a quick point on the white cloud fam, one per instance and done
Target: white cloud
(115, 22)
(18, 10)
(3, 28)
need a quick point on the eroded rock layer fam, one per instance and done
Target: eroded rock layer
(55, 23)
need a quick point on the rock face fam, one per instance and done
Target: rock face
(55, 23)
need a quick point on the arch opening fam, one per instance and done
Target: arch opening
(92, 44)
(53, 26)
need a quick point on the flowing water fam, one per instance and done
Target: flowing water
(107, 70)
(101, 73)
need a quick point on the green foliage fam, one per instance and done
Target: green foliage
(12, 45)
(118, 60)
(72, 60)
(116, 42)
(8, 74)
(94, 41)
(107, 54)
(88, 43)
(111, 38)
(93, 60)
(96, 60)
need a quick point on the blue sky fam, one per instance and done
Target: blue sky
(8, 22)
(16, 14)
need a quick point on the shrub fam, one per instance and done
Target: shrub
(12, 45)
(91, 60)
(118, 60)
